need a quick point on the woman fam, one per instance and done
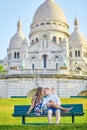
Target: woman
(37, 101)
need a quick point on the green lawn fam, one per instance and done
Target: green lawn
(8, 122)
(47, 127)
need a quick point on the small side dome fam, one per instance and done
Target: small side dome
(77, 37)
(19, 38)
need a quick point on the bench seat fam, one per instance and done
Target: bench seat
(21, 110)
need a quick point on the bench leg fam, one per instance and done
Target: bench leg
(72, 118)
(23, 119)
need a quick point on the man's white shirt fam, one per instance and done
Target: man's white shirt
(52, 97)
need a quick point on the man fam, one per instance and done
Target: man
(54, 105)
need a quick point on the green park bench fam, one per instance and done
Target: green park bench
(21, 110)
(18, 96)
(78, 96)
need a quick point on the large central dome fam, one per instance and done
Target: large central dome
(49, 10)
(49, 17)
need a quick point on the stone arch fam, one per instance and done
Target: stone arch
(54, 39)
(33, 59)
(83, 93)
(56, 55)
(79, 87)
(31, 92)
(56, 61)
(33, 55)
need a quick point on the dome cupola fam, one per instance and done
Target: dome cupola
(19, 38)
(77, 37)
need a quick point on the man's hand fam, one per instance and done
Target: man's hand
(51, 104)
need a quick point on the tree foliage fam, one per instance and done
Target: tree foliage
(1, 69)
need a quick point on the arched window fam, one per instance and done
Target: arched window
(56, 66)
(64, 39)
(45, 41)
(44, 61)
(37, 40)
(33, 59)
(54, 39)
(48, 23)
(32, 41)
(56, 58)
(75, 53)
(78, 68)
(33, 66)
(78, 53)
(60, 39)
(14, 55)
(17, 55)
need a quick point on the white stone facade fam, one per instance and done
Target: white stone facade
(52, 51)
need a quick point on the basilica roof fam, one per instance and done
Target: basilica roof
(18, 38)
(49, 10)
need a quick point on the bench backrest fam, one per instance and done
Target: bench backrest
(22, 109)
(78, 96)
(77, 108)
(18, 96)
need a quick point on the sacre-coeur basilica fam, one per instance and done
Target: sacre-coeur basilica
(52, 58)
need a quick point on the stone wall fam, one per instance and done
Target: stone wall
(21, 85)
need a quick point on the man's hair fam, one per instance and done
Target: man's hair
(47, 88)
(53, 88)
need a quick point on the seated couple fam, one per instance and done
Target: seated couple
(45, 101)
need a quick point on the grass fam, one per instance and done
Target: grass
(7, 121)
(48, 127)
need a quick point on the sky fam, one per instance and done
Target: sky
(12, 10)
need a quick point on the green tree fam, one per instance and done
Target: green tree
(1, 69)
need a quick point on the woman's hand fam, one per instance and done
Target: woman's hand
(31, 107)
(28, 113)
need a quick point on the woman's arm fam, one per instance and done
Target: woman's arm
(31, 107)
